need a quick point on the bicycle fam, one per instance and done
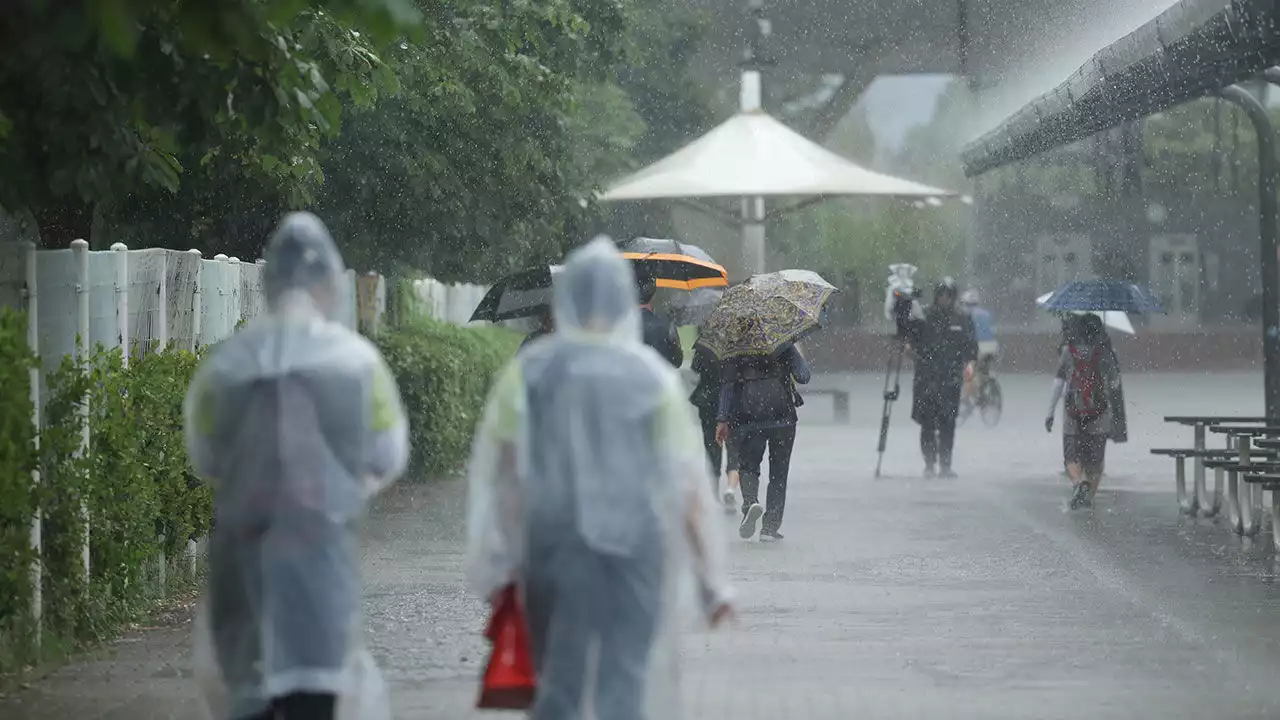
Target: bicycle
(989, 398)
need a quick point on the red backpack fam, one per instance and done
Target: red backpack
(1088, 400)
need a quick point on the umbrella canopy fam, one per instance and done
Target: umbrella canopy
(766, 312)
(1113, 319)
(752, 154)
(673, 264)
(519, 295)
(693, 307)
(1101, 295)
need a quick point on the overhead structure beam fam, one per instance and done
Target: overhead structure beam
(827, 117)
(1191, 50)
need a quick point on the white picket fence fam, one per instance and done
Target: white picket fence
(137, 300)
(147, 300)
(452, 303)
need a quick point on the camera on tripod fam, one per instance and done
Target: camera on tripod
(902, 299)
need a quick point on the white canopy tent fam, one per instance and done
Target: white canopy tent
(754, 156)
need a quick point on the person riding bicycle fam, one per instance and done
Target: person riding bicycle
(984, 332)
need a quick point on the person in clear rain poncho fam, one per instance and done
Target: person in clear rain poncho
(590, 490)
(296, 422)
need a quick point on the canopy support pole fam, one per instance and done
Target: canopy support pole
(1267, 238)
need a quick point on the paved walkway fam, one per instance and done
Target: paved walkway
(899, 598)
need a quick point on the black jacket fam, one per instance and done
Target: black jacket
(661, 335)
(944, 343)
(706, 395)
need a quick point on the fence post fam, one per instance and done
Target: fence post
(236, 313)
(33, 378)
(162, 302)
(80, 250)
(120, 252)
(221, 290)
(196, 307)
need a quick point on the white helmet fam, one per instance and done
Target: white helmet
(969, 297)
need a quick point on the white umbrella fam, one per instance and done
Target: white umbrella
(753, 155)
(1111, 318)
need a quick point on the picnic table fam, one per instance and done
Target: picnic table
(1252, 453)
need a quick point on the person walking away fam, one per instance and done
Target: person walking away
(985, 334)
(659, 332)
(546, 326)
(1089, 376)
(296, 422)
(589, 491)
(758, 401)
(1070, 334)
(944, 348)
(706, 398)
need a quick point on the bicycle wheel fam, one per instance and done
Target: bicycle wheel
(992, 402)
(966, 409)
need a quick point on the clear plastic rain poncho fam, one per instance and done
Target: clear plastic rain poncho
(590, 488)
(296, 422)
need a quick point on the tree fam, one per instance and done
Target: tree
(102, 99)
(481, 163)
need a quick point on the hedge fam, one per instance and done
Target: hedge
(444, 372)
(143, 500)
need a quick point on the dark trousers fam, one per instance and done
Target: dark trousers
(715, 454)
(301, 706)
(937, 437)
(751, 449)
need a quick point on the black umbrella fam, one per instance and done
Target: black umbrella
(519, 295)
(673, 264)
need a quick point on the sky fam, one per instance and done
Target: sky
(895, 104)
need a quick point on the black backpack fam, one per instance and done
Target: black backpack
(764, 391)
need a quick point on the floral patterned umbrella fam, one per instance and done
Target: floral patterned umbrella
(766, 312)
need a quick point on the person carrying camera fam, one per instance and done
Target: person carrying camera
(944, 346)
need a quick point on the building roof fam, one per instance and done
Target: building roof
(1193, 49)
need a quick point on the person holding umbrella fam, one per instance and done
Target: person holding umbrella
(1093, 410)
(546, 326)
(945, 346)
(754, 331)
(659, 333)
(706, 398)
(758, 400)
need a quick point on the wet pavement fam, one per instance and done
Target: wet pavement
(980, 597)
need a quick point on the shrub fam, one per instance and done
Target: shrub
(134, 485)
(444, 373)
(17, 494)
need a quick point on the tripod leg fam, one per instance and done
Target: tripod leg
(892, 373)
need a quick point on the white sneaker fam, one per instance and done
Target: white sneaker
(731, 497)
(750, 522)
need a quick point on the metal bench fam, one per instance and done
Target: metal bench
(839, 401)
(1269, 480)
(1199, 423)
(1198, 501)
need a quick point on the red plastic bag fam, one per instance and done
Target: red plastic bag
(509, 682)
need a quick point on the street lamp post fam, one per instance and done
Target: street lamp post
(750, 99)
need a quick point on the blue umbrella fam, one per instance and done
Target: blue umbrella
(1103, 296)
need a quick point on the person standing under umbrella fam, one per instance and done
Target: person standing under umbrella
(1093, 410)
(944, 345)
(546, 326)
(706, 398)
(758, 401)
(659, 332)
